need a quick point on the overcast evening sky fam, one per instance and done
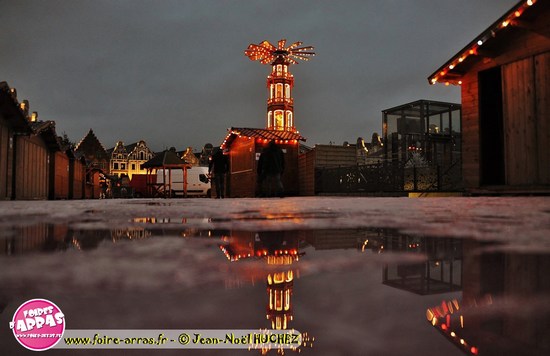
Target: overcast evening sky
(174, 73)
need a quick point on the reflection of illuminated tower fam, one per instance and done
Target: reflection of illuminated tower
(279, 308)
(276, 248)
(280, 105)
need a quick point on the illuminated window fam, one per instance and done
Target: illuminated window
(270, 119)
(122, 166)
(287, 90)
(279, 120)
(279, 91)
(287, 299)
(279, 300)
(271, 91)
(279, 69)
(285, 69)
(289, 118)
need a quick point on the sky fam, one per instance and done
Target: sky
(174, 73)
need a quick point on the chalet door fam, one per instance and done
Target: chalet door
(520, 122)
(491, 127)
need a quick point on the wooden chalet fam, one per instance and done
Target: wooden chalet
(57, 161)
(13, 125)
(77, 175)
(245, 146)
(33, 162)
(505, 77)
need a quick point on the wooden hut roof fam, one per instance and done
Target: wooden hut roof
(167, 158)
(526, 15)
(263, 134)
(10, 109)
(46, 130)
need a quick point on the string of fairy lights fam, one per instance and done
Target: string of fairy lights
(266, 52)
(447, 76)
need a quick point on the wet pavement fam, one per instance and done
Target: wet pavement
(360, 276)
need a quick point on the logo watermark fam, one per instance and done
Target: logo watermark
(38, 324)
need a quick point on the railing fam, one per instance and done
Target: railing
(388, 177)
(280, 100)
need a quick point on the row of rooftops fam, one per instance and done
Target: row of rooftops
(28, 124)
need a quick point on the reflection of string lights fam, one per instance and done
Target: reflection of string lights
(440, 318)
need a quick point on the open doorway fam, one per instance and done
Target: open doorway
(491, 127)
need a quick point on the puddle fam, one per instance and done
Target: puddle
(356, 291)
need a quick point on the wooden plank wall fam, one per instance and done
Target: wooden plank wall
(243, 162)
(242, 181)
(5, 160)
(526, 120)
(519, 122)
(243, 184)
(470, 130)
(291, 175)
(61, 176)
(31, 169)
(542, 105)
(306, 173)
(78, 180)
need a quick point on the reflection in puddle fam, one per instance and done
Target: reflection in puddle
(504, 306)
(495, 315)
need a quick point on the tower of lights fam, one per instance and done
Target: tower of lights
(280, 104)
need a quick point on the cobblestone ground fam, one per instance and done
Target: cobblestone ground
(361, 275)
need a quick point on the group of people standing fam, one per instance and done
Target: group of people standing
(271, 165)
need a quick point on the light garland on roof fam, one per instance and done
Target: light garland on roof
(443, 75)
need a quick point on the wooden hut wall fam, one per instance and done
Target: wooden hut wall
(61, 176)
(242, 180)
(525, 81)
(77, 173)
(306, 173)
(6, 155)
(243, 167)
(290, 175)
(542, 105)
(32, 171)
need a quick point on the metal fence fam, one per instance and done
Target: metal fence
(388, 177)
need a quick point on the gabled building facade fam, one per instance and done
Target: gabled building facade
(94, 152)
(127, 159)
(119, 159)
